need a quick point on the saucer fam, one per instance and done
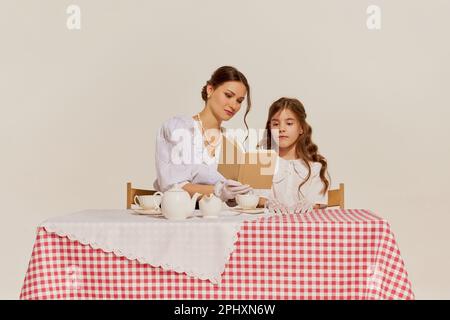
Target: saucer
(250, 211)
(151, 212)
(230, 213)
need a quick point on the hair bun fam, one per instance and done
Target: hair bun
(204, 94)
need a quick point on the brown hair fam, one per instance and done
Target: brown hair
(224, 74)
(305, 148)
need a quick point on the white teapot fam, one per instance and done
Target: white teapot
(210, 206)
(177, 203)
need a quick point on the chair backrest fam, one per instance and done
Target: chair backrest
(131, 193)
(336, 197)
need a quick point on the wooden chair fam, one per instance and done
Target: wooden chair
(336, 197)
(131, 192)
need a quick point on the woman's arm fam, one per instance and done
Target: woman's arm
(203, 189)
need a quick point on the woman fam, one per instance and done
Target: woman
(188, 148)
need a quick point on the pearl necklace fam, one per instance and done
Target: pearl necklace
(203, 132)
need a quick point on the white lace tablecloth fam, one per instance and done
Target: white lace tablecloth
(196, 246)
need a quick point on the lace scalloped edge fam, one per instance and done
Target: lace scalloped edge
(202, 276)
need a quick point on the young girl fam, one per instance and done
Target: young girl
(299, 183)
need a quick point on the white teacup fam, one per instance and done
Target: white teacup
(149, 201)
(247, 201)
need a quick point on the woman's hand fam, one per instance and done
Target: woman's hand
(229, 189)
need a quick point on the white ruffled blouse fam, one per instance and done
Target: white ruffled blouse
(289, 174)
(181, 156)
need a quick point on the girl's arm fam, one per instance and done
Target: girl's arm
(262, 202)
(205, 189)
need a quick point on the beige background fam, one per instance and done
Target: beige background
(79, 109)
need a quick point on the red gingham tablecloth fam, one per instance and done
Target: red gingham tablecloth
(326, 254)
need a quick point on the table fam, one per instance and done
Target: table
(325, 254)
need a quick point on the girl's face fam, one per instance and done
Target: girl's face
(285, 128)
(225, 100)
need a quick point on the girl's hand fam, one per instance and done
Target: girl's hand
(274, 206)
(304, 206)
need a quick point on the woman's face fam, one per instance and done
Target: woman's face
(285, 128)
(225, 100)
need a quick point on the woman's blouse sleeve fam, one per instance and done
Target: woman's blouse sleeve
(174, 157)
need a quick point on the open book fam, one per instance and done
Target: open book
(255, 168)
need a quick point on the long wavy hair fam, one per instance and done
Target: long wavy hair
(305, 148)
(225, 74)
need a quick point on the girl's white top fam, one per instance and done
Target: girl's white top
(289, 174)
(181, 156)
